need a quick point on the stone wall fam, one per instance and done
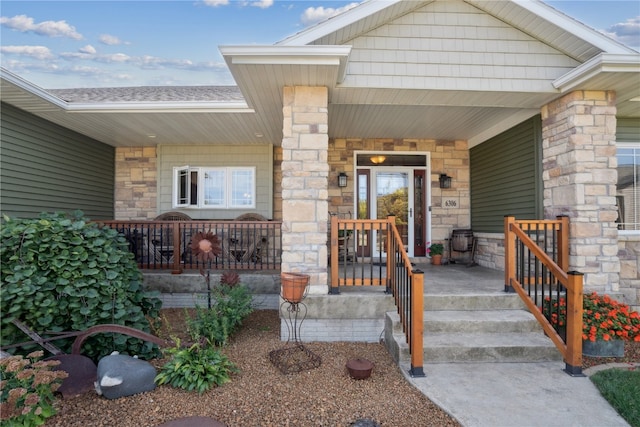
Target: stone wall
(579, 175)
(136, 183)
(304, 184)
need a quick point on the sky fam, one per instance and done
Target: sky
(86, 43)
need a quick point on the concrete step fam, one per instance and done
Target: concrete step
(494, 321)
(485, 301)
(488, 347)
(480, 321)
(455, 332)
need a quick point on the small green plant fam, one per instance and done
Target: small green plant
(230, 305)
(27, 387)
(621, 388)
(62, 272)
(199, 367)
(435, 249)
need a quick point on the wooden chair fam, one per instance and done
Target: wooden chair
(162, 241)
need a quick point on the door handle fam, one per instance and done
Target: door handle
(410, 212)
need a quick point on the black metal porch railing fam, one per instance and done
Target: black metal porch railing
(354, 262)
(165, 245)
(536, 264)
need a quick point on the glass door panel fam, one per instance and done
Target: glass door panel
(393, 197)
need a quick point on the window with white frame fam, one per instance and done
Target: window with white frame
(214, 187)
(628, 188)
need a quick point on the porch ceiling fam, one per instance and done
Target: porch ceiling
(358, 112)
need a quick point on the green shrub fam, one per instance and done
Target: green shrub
(198, 368)
(61, 272)
(27, 389)
(230, 305)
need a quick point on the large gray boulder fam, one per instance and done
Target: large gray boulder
(120, 375)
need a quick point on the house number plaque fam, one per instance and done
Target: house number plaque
(450, 203)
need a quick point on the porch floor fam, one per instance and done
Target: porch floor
(447, 279)
(460, 279)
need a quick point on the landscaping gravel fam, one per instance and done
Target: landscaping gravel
(260, 395)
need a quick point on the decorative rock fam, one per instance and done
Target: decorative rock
(120, 375)
(193, 422)
(364, 422)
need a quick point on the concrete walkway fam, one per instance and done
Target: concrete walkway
(506, 394)
(515, 395)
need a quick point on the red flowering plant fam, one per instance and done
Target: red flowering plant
(603, 318)
(606, 319)
(555, 310)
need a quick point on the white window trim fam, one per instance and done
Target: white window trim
(228, 187)
(635, 145)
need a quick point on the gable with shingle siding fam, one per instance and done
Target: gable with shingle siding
(454, 46)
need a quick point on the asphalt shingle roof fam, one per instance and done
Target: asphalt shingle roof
(150, 94)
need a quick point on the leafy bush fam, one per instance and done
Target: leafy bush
(230, 305)
(27, 389)
(198, 368)
(63, 273)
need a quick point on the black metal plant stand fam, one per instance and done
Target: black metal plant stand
(294, 356)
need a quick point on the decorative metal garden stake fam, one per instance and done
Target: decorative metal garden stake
(206, 247)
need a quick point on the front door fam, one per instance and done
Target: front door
(395, 185)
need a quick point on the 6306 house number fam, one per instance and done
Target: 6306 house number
(451, 203)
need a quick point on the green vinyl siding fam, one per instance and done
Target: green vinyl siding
(628, 130)
(505, 177)
(46, 168)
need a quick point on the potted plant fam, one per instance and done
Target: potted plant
(606, 323)
(435, 251)
(294, 286)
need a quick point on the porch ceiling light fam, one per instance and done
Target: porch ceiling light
(445, 181)
(376, 160)
(342, 179)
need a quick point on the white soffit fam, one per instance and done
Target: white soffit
(336, 56)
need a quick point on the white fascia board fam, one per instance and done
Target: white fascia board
(29, 87)
(574, 27)
(335, 23)
(602, 63)
(252, 54)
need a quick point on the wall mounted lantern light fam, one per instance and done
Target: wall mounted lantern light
(342, 179)
(445, 181)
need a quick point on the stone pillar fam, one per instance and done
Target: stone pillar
(305, 184)
(580, 176)
(136, 184)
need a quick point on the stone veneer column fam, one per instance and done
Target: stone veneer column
(136, 185)
(304, 184)
(580, 176)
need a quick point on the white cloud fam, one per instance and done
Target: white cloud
(216, 3)
(25, 24)
(262, 4)
(88, 49)
(110, 40)
(38, 52)
(627, 32)
(313, 15)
